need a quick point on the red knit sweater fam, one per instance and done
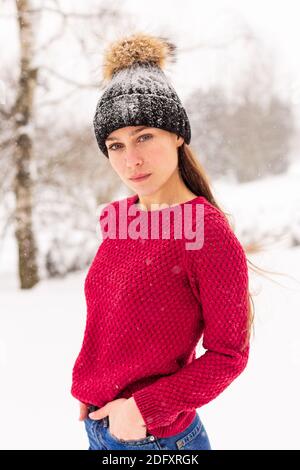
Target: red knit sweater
(150, 301)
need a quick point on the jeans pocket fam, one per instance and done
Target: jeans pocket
(148, 440)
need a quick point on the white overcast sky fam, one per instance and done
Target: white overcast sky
(191, 22)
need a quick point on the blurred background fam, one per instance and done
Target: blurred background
(238, 76)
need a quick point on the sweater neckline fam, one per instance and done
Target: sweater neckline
(132, 200)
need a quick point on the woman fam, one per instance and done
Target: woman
(151, 298)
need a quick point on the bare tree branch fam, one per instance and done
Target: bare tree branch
(4, 113)
(69, 80)
(245, 36)
(4, 143)
(54, 38)
(57, 101)
(71, 14)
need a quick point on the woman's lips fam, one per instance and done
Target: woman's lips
(142, 178)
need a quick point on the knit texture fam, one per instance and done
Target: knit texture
(149, 302)
(140, 95)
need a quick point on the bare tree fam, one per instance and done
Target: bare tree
(22, 116)
(33, 166)
(248, 135)
(244, 140)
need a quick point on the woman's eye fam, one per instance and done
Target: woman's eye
(145, 135)
(111, 147)
(141, 137)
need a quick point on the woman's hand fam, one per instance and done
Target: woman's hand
(125, 419)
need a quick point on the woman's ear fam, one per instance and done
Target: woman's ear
(180, 140)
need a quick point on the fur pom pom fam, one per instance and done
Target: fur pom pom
(140, 48)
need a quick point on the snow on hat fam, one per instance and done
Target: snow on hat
(138, 91)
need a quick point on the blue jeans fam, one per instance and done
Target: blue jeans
(194, 437)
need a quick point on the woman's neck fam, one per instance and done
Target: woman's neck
(176, 194)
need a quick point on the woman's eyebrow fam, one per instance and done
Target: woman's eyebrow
(135, 131)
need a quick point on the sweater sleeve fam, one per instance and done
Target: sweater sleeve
(218, 275)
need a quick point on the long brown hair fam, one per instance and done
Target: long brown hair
(196, 179)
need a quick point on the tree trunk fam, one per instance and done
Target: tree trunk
(23, 110)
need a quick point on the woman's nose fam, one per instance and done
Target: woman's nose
(133, 158)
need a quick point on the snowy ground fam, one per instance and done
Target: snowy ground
(41, 332)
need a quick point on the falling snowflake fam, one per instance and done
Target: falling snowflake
(176, 269)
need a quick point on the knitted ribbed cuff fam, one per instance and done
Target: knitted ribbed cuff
(155, 413)
(135, 109)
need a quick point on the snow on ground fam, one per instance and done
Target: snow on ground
(41, 331)
(269, 207)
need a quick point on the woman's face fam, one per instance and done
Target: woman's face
(138, 150)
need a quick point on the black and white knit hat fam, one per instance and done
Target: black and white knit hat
(138, 91)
